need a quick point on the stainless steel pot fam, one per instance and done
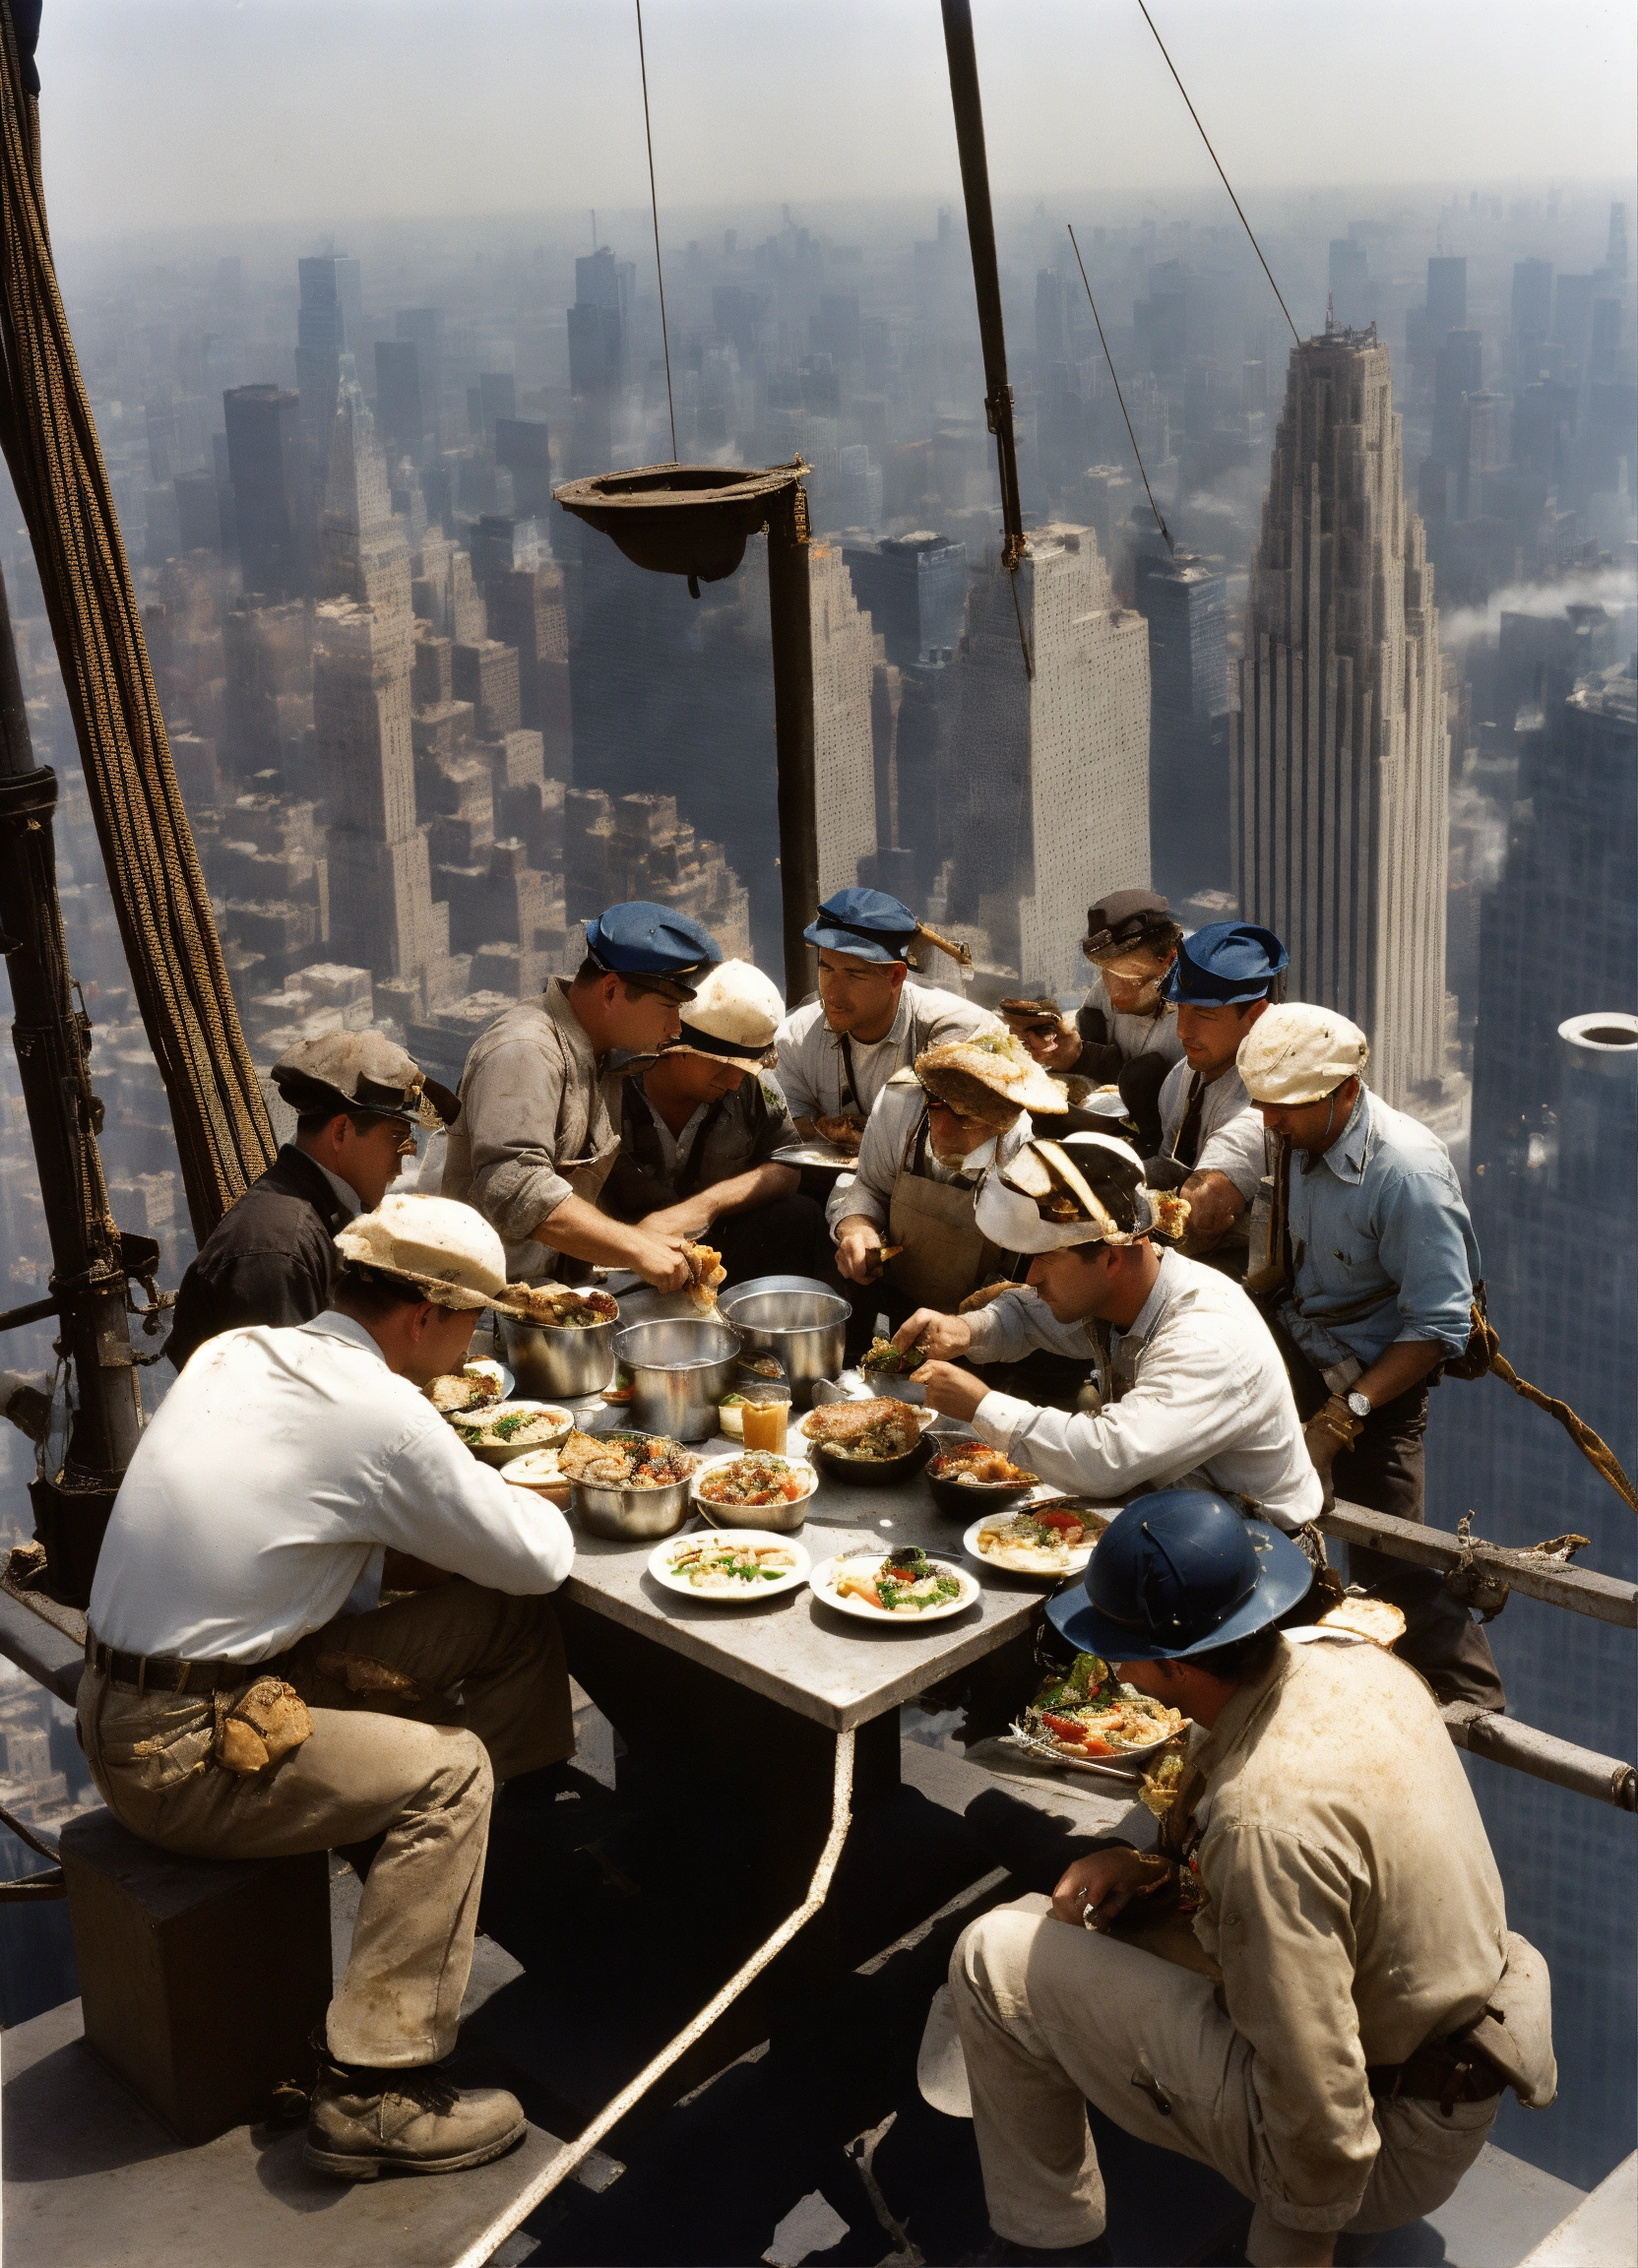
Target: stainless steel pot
(631, 1515)
(680, 1369)
(557, 1364)
(796, 1318)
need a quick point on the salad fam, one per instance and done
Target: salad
(757, 1477)
(885, 1361)
(906, 1581)
(1090, 1713)
(723, 1569)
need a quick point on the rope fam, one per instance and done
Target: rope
(1597, 1451)
(1120, 396)
(1222, 176)
(223, 1137)
(654, 200)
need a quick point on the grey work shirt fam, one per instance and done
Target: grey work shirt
(1134, 1035)
(1233, 1140)
(813, 1066)
(656, 1167)
(536, 1102)
(892, 1123)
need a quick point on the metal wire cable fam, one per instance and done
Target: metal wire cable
(1120, 396)
(1222, 176)
(654, 200)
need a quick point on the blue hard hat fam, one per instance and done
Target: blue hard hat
(1225, 965)
(1178, 1573)
(867, 923)
(640, 939)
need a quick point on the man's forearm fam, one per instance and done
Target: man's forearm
(580, 1232)
(1406, 1363)
(761, 1185)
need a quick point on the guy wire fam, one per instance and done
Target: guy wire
(654, 200)
(1223, 177)
(1120, 396)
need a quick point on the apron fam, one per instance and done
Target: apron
(945, 1256)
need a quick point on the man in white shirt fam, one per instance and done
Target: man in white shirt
(838, 1052)
(1194, 1393)
(245, 1696)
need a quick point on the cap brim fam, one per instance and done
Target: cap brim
(1284, 1577)
(849, 941)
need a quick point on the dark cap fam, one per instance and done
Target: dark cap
(1180, 1573)
(1129, 922)
(360, 1071)
(640, 940)
(867, 923)
(1225, 965)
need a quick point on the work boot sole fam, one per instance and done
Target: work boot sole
(352, 2166)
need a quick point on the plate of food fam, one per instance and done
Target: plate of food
(967, 1473)
(749, 1564)
(540, 1471)
(498, 1431)
(870, 1443)
(727, 1489)
(1047, 1540)
(566, 1306)
(468, 1388)
(1090, 1719)
(902, 1585)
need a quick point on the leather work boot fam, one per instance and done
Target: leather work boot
(362, 2123)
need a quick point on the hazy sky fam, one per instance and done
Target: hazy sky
(184, 112)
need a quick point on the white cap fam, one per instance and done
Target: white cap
(1085, 1190)
(1299, 1054)
(446, 1249)
(734, 1016)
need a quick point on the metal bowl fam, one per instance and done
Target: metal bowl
(680, 1369)
(552, 1359)
(972, 1499)
(784, 1519)
(801, 1321)
(630, 1515)
(503, 1452)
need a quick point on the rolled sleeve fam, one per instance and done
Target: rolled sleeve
(1016, 1324)
(1238, 1150)
(1424, 1247)
(441, 1504)
(868, 1189)
(799, 1045)
(510, 1105)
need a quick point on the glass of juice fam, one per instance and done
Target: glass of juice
(765, 1425)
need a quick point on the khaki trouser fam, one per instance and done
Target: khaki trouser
(492, 1701)
(1051, 2016)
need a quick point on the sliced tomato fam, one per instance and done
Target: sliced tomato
(1064, 1521)
(1064, 1728)
(1096, 1747)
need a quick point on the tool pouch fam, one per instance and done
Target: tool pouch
(258, 1727)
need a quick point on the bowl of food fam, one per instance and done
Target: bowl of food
(499, 1431)
(887, 1368)
(681, 1366)
(966, 1476)
(567, 1348)
(628, 1488)
(1089, 1718)
(541, 1472)
(755, 1490)
(1047, 1541)
(797, 1320)
(872, 1444)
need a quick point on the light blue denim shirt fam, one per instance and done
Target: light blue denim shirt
(1381, 1241)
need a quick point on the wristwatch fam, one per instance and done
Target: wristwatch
(1357, 1404)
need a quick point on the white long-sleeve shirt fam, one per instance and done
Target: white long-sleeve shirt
(1195, 1396)
(276, 1471)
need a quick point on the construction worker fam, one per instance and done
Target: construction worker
(1309, 1986)
(1373, 1267)
(271, 1258)
(1125, 1032)
(838, 1052)
(699, 1124)
(1212, 1141)
(1192, 1389)
(539, 1131)
(933, 1135)
(246, 1697)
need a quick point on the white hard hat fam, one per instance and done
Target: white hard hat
(1299, 1054)
(446, 1249)
(1086, 1190)
(734, 1016)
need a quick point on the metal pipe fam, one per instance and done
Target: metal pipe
(1607, 1779)
(36, 1313)
(572, 2153)
(1581, 1589)
(790, 621)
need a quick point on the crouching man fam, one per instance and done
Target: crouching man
(1334, 2033)
(246, 1696)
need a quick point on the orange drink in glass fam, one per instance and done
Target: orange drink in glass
(765, 1424)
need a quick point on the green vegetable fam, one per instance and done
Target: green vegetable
(730, 1402)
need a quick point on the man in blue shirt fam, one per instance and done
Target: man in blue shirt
(1377, 1263)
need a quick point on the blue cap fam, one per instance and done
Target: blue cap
(640, 939)
(867, 923)
(1178, 1573)
(1225, 965)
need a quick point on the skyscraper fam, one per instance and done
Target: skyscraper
(1183, 601)
(1338, 748)
(398, 395)
(330, 286)
(844, 759)
(267, 462)
(915, 589)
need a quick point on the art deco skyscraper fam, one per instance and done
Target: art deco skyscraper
(1340, 755)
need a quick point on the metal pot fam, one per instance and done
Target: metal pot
(780, 1519)
(796, 1318)
(502, 1453)
(680, 1369)
(558, 1363)
(631, 1515)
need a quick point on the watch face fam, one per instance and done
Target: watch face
(1358, 1405)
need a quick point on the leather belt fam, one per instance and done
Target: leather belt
(1442, 2071)
(172, 1674)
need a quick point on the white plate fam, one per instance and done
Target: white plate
(483, 1367)
(794, 1459)
(1118, 1760)
(661, 1556)
(824, 1578)
(1074, 1564)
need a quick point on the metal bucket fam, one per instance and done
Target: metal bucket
(680, 1369)
(557, 1364)
(801, 1321)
